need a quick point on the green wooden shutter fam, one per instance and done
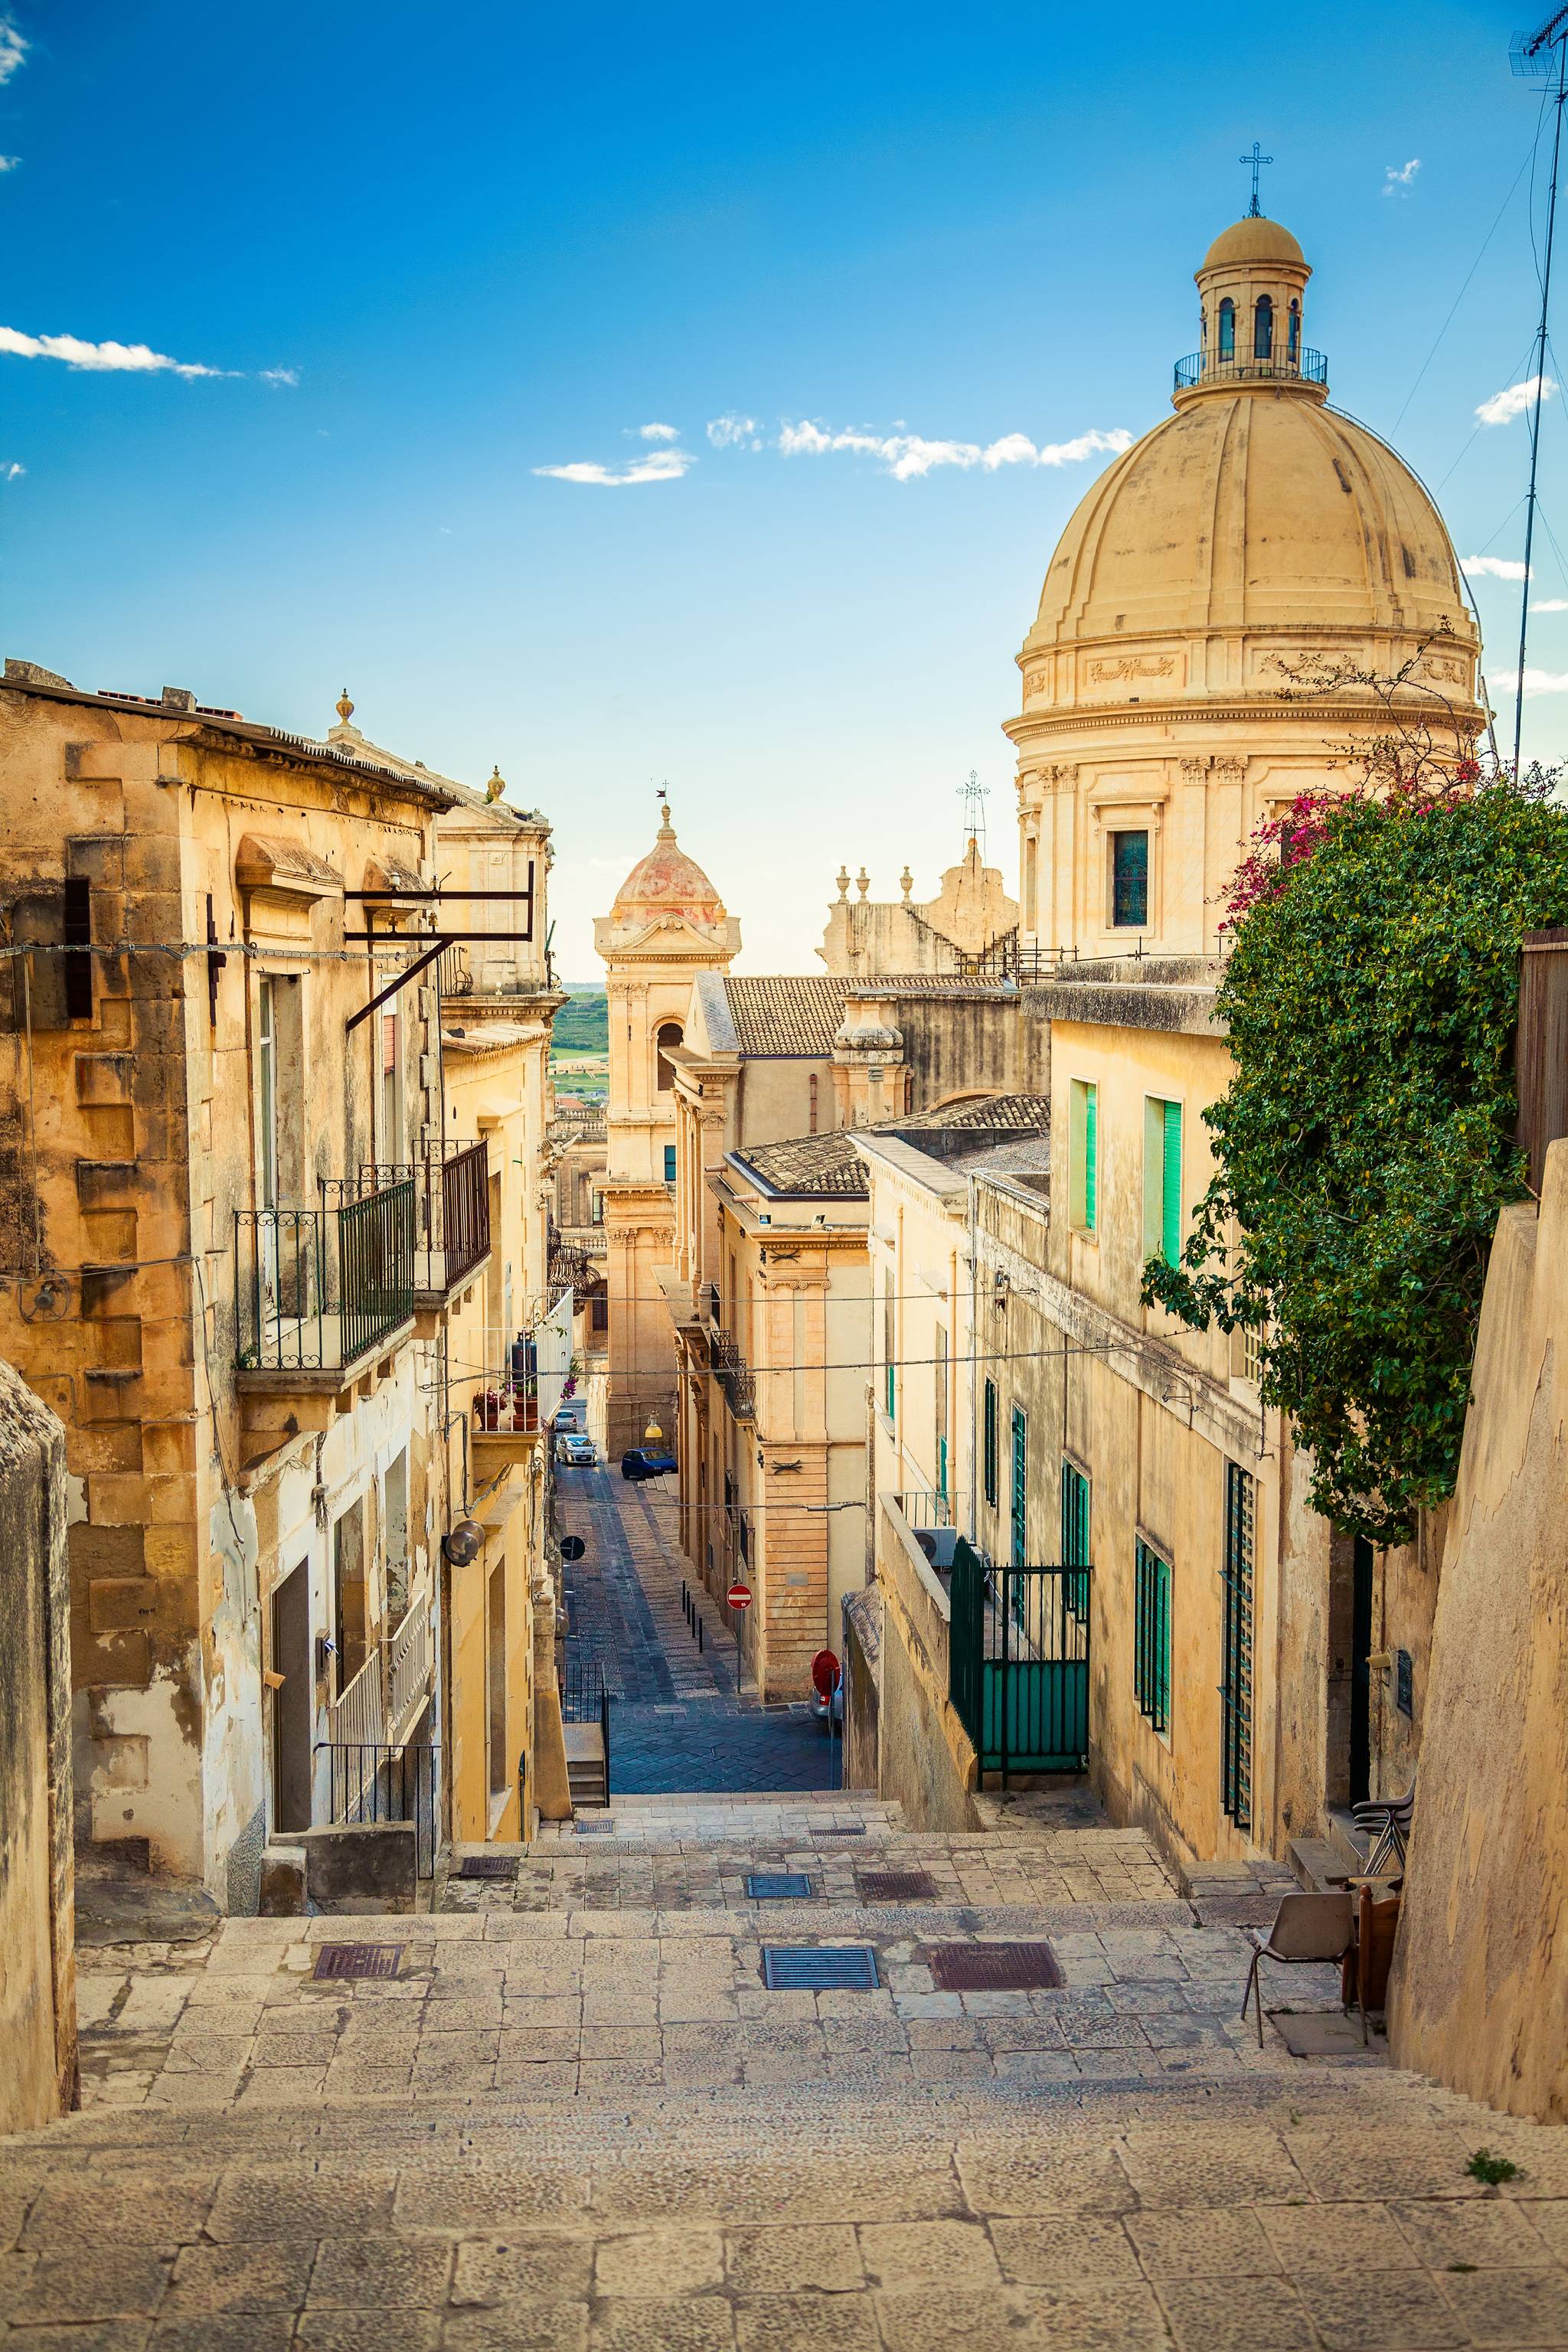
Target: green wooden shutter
(1090, 1155)
(1020, 1487)
(990, 1445)
(1170, 1184)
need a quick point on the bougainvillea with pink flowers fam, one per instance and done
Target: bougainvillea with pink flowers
(1365, 1144)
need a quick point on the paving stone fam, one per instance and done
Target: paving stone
(365, 2273)
(1237, 2314)
(1032, 2319)
(762, 2261)
(249, 2331)
(1370, 2313)
(1172, 2244)
(296, 2200)
(97, 2335)
(250, 2277)
(806, 2322)
(1509, 2306)
(900, 2254)
(659, 2262)
(1068, 2247)
(523, 2326)
(160, 2212)
(1483, 2231)
(91, 2283)
(322, 2330)
(544, 2264)
(1310, 2236)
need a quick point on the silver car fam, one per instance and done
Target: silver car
(571, 1445)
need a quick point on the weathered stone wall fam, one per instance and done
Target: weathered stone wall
(1479, 1994)
(925, 1760)
(37, 1968)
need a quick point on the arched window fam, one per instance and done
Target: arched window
(1228, 329)
(1295, 331)
(1263, 329)
(669, 1037)
(1203, 330)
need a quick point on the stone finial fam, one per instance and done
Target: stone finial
(496, 786)
(862, 881)
(906, 884)
(842, 878)
(345, 708)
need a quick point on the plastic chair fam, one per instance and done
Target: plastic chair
(1306, 1927)
(1387, 1819)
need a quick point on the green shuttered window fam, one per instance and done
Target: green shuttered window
(1083, 1155)
(988, 1450)
(1162, 1179)
(1020, 1527)
(1235, 1648)
(1075, 1538)
(1152, 1636)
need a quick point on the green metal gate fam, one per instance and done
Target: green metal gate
(1018, 1663)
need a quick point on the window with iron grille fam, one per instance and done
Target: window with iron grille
(1152, 1636)
(988, 1450)
(1235, 1655)
(889, 1370)
(1075, 1537)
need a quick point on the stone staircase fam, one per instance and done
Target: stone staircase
(570, 2112)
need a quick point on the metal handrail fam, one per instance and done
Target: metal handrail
(734, 1375)
(384, 1780)
(358, 1715)
(1248, 367)
(451, 1201)
(409, 1653)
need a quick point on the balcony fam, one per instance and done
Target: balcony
(503, 1418)
(735, 1375)
(1245, 367)
(451, 1213)
(319, 1291)
(382, 1703)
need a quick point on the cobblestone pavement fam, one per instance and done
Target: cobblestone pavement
(677, 1722)
(575, 2120)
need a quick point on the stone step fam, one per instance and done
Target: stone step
(1318, 1864)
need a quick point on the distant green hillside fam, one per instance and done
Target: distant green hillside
(582, 1024)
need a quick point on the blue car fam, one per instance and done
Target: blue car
(640, 1464)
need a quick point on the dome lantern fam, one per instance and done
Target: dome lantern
(1252, 290)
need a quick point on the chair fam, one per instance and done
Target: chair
(1306, 1927)
(1387, 1821)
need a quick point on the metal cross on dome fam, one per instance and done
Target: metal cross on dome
(1257, 158)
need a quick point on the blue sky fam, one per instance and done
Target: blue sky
(489, 240)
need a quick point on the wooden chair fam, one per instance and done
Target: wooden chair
(1306, 1927)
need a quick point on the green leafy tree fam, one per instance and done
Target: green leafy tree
(1365, 1144)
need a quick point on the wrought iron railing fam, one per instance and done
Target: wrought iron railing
(317, 1288)
(926, 1507)
(357, 1716)
(409, 1653)
(735, 1375)
(379, 1781)
(1248, 367)
(1018, 1663)
(451, 1207)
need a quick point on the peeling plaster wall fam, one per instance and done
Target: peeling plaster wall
(37, 1971)
(1479, 1994)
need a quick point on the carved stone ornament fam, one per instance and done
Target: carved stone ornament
(1118, 669)
(1037, 685)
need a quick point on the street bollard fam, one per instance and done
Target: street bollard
(699, 1633)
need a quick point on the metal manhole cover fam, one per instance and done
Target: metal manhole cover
(486, 1866)
(858, 1829)
(993, 1967)
(594, 1828)
(780, 1886)
(895, 1885)
(340, 1960)
(819, 1968)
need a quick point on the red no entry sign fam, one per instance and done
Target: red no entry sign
(825, 1674)
(739, 1596)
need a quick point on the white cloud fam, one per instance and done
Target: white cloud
(1536, 681)
(1490, 567)
(136, 359)
(290, 376)
(9, 163)
(1504, 406)
(907, 455)
(1551, 605)
(1399, 178)
(660, 432)
(10, 471)
(658, 466)
(734, 432)
(12, 50)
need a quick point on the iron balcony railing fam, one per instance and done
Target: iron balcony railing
(1248, 367)
(735, 1375)
(379, 1781)
(315, 1290)
(451, 1208)
(1018, 1663)
(410, 1652)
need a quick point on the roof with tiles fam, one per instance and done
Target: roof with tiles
(827, 1167)
(779, 1017)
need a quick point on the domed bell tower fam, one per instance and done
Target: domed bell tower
(1252, 317)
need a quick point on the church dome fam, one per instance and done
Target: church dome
(1253, 529)
(667, 881)
(1255, 238)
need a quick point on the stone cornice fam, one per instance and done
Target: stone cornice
(1031, 726)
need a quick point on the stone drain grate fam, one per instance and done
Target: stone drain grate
(486, 1866)
(819, 1968)
(993, 1967)
(335, 1961)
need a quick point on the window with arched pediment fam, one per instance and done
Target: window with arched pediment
(1228, 329)
(665, 1043)
(1263, 329)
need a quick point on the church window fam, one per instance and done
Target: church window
(670, 1163)
(1295, 331)
(1228, 329)
(1263, 329)
(669, 1037)
(1129, 880)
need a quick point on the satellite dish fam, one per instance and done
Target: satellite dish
(573, 1546)
(464, 1542)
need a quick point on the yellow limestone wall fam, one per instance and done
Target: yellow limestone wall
(1480, 1996)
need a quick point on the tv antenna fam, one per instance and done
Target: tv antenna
(1540, 56)
(975, 795)
(1257, 160)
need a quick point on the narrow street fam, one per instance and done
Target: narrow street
(676, 1722)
